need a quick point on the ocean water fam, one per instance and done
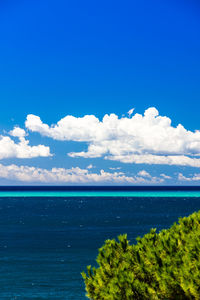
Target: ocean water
(49, 235)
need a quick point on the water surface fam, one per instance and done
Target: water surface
(46, 241)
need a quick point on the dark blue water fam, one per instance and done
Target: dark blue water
(45, 243)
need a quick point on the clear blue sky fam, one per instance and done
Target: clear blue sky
(87, 57)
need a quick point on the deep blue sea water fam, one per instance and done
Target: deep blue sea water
(47, 240)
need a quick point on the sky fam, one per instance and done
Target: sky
(99, 93)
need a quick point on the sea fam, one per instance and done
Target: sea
(48, 235)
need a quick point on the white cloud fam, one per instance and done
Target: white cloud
(144, 173)
(195, 177)
(140, 139)
(147, 176)
(165, 176)
(130, 112)
(17, 132)
(178, 160)
(73, 175)
(22, 149)
(90, 167)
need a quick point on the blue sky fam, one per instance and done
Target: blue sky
(79, 58)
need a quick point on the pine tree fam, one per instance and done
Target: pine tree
(164, 265)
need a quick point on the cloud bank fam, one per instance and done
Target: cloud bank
(140, 139)
(73, 175)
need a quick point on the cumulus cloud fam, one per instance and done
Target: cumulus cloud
(22, 149)
(73, 175)
(140, 139)
(17, 132)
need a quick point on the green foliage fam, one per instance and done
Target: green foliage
(163, 265)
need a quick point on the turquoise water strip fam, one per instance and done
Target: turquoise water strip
(100, 194)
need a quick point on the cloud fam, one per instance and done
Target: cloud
(165, 176)
(195, 177)
(178, 160)
(140, 139)
(73, 175)
(130, 112)
(69, 128)
(90, 167)
(22, 149)
(17, 132)
(144, 173)
(147, 176)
